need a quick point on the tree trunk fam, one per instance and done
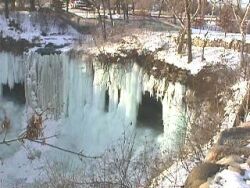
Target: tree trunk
(203, 6)
(13, 4)
(127, 9)
(6, 8)
(104, 21)
(133, 7)
(32, 5)
(243, 41)
(181, 39)
(174, 20)
(21, 4)
(189, 32)
(118, 7)
(161, 6)
(124, 10)
(203, 47)
(110, 14)
(203, 50)
(67, 5)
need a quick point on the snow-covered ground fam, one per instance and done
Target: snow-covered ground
(232, 179)
(213, 35)
(164, 49)
(35, 28)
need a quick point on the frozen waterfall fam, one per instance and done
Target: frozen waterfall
(96, 102)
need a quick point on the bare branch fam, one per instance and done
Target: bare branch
(245, 15)
(237, 17)
(197, 10)
(80, 154)
(42, 142)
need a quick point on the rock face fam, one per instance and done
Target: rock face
(50, 49)
(219, 152)
(200, 174)
(229, 154)
(147, 60)
(235, 136)
(21, 46)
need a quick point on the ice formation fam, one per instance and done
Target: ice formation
(96, 102)
(11, 71)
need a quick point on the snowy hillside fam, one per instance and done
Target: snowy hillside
(38, 28)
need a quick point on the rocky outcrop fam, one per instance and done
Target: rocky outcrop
(235, 136)
(199, 175)
(231, 153)
(159, 69)
(233, 44)
(17, 47)
(50, 49)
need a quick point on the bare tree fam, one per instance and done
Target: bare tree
(118, 6)
(226, 17)
(125, 10)
(133, 6)
(34, 133)
(6, 8)
(103, 20)
(161, 7)
(189, 32)
(97, 4)
(178, 8)
(67, 5)
(13, 4)
(110, 13)
(241, 18)
(32, 5)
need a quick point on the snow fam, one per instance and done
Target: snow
(31, 28)
(116, 16)
(215, 35)
(86, 14)
(229, 179)
(162, 46)
(248, 117)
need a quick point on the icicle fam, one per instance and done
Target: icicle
(174, 115)
(12, 69)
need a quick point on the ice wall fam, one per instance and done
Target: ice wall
(11, 70)
(174, 115)
(75, 90)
